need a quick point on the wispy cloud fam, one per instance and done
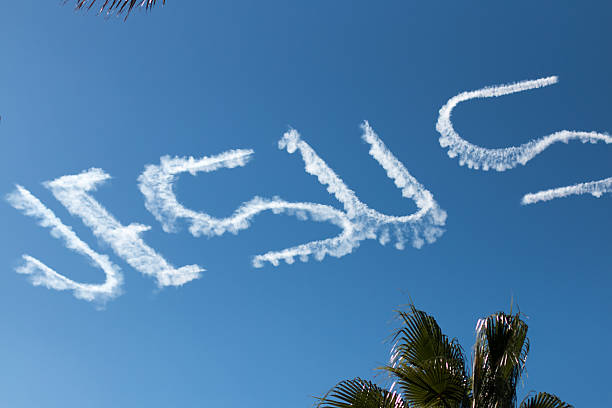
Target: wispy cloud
(357, 222)
(477, 157)
(156, 184)
(41, 274)
(595, 188)
(72, 191)
(418, 228)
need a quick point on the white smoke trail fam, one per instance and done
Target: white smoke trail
(477, 157)
(420, 227)
(596, 188)
(41, 274)
(357, 223)
(156, 184)
(72, 192)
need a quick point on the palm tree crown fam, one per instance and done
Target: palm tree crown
(430, 369)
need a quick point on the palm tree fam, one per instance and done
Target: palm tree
(116, 6)
(430, 369)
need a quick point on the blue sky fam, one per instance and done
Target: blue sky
(200, 78)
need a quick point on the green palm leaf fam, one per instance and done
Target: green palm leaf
(499, 360)
(421, 339)
(358, 393)
(429, 367)
(435, 384)
(544, 400)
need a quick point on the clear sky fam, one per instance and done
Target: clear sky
(198, 78)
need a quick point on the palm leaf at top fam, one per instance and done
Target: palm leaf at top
(429, 367)
(116, 6)
(358, 393)
(500, 354)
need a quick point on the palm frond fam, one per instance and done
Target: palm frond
(420, 339)
(429, 367)
(116, 6)
(434, 384)
(544, 400)
(500, 354)
(358, 393)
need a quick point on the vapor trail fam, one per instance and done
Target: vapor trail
(418, 228)
(156, 184)
(157, 181)
(357, 222)
(72, 191)
(41, 274)
(595, 188)
(477, 157)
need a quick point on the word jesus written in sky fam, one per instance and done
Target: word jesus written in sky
(356, 221)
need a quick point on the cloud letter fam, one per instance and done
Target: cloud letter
(72, 191)
(507, 158)
(41, 274)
